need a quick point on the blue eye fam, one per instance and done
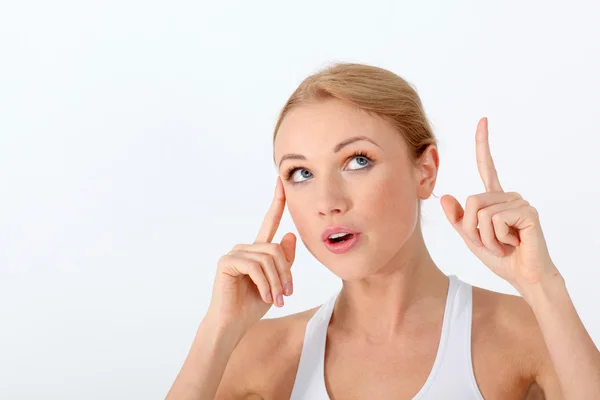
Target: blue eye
(362, 158)
(365, 160)
(305, 175)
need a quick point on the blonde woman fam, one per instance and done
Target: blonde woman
(355, 156)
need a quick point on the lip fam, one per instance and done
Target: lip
(336, 229)
(343, 247)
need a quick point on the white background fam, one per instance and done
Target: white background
(135, 150)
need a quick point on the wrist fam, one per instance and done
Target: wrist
(221, 331)
(544, 292)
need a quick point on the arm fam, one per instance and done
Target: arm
(574, 360)
(205, 363)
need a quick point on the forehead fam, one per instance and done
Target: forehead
(313, 129)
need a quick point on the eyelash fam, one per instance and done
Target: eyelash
(360, 153)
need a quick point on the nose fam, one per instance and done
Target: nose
(332, 198)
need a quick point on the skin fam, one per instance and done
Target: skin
(384, 332)
(390, 269)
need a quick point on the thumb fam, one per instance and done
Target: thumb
(288, 244)
(453, 210)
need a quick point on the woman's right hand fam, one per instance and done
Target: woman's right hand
(252, 277)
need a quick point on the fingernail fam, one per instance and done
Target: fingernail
(288, 288)
(269, 297)
(280, 300)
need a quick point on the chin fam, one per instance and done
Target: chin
(356, 264)
(351, 274)
(348, 267)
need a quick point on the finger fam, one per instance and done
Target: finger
(270, 270)
(282, 261)
(505, 233)
(477, 202)
(455, 214)
(485, 163)
(288, 246)
(273, 216)
(493, 230)
(453, 210)
(486, 231)
(236, 266)
(509, 222)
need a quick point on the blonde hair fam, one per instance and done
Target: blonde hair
(375, 90)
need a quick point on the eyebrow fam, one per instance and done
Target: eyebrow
(337, 148)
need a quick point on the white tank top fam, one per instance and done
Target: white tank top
(451, 376)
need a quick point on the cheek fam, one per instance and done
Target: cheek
(392, 204)
(299, 210)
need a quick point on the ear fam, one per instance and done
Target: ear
(427, 170)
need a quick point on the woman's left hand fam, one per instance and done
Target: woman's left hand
(511, 242)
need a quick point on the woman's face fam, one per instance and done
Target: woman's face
(375, 193)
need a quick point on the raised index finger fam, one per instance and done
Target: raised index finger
(273, 217)
(485, 163)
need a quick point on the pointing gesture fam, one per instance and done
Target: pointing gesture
(501, 228)
(485, 163)
(251, 277)
(273, 217)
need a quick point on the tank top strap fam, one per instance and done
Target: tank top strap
(309, 383)
(454, 285)
(453, 367)
(452, 370)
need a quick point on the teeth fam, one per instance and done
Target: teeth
(338, 235)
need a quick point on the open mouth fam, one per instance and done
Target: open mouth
(341, 238)
(341, 244)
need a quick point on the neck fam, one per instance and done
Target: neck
(407, 290)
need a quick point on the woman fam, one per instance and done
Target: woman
(355, 157)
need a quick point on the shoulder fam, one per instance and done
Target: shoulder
(507, 312)
(283, 335)
(509, 328)
(267, 354)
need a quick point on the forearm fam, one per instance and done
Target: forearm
(574, 355)
(205, 363)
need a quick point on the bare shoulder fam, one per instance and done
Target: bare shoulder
(506, 329)
(509, 312)
(266, 358)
